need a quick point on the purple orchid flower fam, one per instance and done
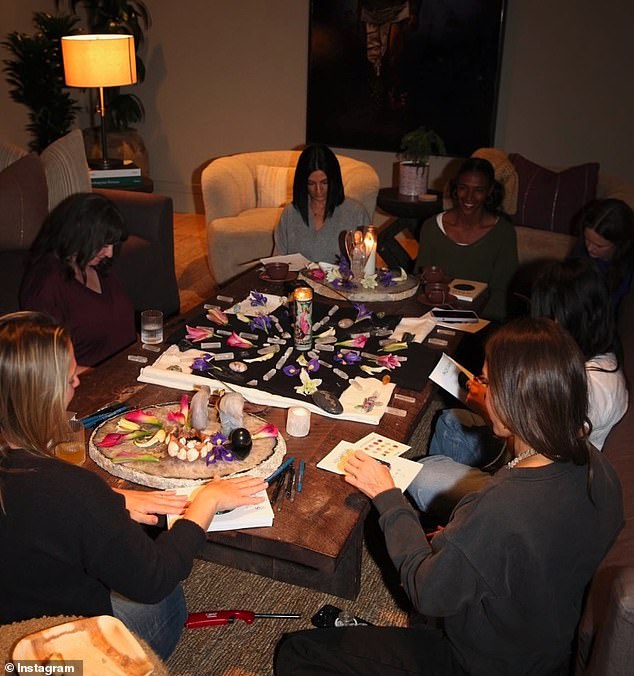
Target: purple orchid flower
(202, 363)
(343, 283)
(347, 358)
(260, 323)
(313, 366)
(257, 299)
(362, 312)
(291, 370)
(386, 277)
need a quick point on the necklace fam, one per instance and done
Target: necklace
(522, 456)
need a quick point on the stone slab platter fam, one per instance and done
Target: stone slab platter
(400, 290)
(266, 456)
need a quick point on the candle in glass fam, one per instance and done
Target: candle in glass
(303, 332)
(369, 241)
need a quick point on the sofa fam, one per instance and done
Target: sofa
(31, 185)
(243, 198)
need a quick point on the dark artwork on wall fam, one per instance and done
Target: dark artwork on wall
(380, 68)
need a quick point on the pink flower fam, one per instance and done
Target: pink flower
(114, 439)
(180, 417)
(217, 316)
(359, 341)
(317, 274)
(143, 418)
(199, 333)
(389, 360)
(234, 340)
(265, 432)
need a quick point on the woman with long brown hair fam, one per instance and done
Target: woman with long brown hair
(502, 586)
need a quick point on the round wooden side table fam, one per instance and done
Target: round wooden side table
(410, 212)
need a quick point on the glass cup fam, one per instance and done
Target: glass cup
(73, 449)
(436, 292)
(151, 327)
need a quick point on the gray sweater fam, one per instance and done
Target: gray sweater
(292, 235)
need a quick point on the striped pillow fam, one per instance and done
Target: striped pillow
(66, 168)
(274, 185)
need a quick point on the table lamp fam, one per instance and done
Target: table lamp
(99, 61)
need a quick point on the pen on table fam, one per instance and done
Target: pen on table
(288, 478)
(290, 491)
(96, 418)
(384, 462)
(278, 489)
(300, 476)
(279, 470)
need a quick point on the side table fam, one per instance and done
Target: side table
(410, 212)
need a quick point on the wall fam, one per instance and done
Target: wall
(225, 77)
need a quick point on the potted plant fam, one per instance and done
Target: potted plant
(36, 77)
(416, 147)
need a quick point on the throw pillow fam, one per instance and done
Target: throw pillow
(23, 196)
(274, 185)
(551, 200)
(66, 168)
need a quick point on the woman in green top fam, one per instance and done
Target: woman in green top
(473, 240)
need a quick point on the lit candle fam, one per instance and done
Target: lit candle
(369, 241)
(298, 421)
(303, 334)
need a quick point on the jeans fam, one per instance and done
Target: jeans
(464, 436)
(442, 483)
(158, 624)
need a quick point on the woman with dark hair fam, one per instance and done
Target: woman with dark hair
(312, 224)
(607, 236)
(473, 240)
(574, 294)
(69, 276)
(69, 546)
(505, 579)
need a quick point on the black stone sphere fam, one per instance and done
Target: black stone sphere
(241, 442)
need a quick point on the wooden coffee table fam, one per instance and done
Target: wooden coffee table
(316, 539)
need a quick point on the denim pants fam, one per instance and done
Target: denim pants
(158, 624)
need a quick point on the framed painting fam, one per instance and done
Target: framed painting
(380, 68)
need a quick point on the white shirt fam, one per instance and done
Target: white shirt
(607, 396)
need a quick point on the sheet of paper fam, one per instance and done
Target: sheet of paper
(402, 470)
(381, 447)
(295, 261)
(248, 516)
(421, 327)
(446, 375)
(245, 307)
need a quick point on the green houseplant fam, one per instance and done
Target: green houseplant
(36, 77)
(118, 16)
(416, 147)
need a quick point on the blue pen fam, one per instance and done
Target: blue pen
(94, 420)
(300, 476)
(280, 469)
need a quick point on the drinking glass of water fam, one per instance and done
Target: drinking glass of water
(151, 327)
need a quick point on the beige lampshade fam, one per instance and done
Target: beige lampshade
(99, 60)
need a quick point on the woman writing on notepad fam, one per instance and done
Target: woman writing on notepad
(69, 546)
(473, 240)
(320, 214)
(499, 591)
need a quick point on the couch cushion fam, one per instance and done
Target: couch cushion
(23, 196)
(12, 264)
(66, 168)
(274, 185)
(550, 200)
(10, 154)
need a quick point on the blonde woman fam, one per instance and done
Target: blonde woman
(69, 546)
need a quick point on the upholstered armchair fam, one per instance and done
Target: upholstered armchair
(244, 195)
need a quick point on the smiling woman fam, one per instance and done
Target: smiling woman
(69, 277)
(473, 240)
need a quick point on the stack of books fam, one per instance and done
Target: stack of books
(129, 175)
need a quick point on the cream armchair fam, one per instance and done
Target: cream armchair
(238, 230)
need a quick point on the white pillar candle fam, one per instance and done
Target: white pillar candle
(370, 243)
(298, 421)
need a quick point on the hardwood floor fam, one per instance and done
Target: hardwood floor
(195, 283)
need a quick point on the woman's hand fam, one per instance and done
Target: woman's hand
(367, 474)
(221, 494)
(145, 505)
(476, 398)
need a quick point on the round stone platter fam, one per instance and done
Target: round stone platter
(265, 457)
(399, 291)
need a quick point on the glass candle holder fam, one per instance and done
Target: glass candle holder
(303, 331)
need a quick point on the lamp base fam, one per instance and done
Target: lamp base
(104, 164)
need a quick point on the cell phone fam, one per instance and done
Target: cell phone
(327, 615)
(455, 316)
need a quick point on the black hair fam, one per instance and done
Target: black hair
(574, 293)
(613, 219)
(317, 157)
(479, 165)
(77, 229)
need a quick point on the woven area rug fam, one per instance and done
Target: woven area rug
(247, 650)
